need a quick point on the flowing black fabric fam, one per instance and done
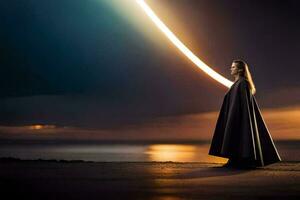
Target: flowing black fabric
(241, 133)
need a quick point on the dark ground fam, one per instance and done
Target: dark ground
(146, 180)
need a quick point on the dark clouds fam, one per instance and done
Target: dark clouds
(81, 63)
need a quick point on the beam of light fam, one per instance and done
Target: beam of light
(186, 51)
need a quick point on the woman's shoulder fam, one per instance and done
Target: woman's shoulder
(241, 83)
(242, 80)
(244, 84)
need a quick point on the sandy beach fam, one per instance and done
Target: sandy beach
(42, 179)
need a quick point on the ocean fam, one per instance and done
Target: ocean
(128, 152)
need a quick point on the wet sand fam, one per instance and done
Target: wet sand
(146, 180)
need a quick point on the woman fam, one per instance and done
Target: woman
(241, 134)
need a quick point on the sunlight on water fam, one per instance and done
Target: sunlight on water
(171, 152)
(181, 153)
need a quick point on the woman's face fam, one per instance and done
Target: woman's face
(234, 69)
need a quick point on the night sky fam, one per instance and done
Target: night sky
(103, 64)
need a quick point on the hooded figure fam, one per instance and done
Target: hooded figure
(241, 134)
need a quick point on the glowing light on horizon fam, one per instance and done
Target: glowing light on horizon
(36, 127)
(186, 51)
(40, 126)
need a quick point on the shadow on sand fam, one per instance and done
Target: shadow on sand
(212, 172)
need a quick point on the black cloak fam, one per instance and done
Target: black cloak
(241, 132)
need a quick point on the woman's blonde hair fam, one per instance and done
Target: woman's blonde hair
(242, 65)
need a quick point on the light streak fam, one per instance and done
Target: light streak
(186, 51)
